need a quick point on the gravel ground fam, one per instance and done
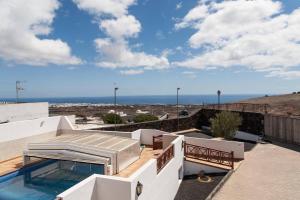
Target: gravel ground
(192, 189)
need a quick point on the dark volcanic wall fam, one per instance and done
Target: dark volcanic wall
(252, 122)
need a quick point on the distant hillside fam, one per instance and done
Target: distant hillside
(288, 104)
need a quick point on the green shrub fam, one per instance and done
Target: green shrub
(225, 124)
(112, 118)
(144, 118)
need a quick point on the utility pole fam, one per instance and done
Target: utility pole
(178, 109)
(219, 95)
(18, 89)
(115, 102)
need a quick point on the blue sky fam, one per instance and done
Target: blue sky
(163, 38)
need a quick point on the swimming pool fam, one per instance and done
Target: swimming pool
(45, 180)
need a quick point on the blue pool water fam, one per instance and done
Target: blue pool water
(45, 180)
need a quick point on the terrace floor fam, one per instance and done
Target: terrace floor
(269, 171)
(146, 154)
(11, 165)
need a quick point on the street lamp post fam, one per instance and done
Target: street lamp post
(18, 89)
(178, 109)
(219, 95)
(115, 103)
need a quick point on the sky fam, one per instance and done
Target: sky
(76, 48)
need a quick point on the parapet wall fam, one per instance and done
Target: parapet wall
(23, 111)
(15, 136)
(168, 125)
(252, 122)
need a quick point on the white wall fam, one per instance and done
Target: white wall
(23, 111)
(146, 135)
(163, 185)
(83, 190)
(27, 128)
(112, 188)
(221, 145)
(15, 136)
(246, 136)
(72, 118)
(65, 124)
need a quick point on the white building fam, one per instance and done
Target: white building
(141, 165)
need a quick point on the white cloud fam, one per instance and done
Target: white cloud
(119, 26)
(132, 72)
(284, 74)
(179, 48)
(193, 16)
(122, 27)
(179, 5)
(190, 74)
(167, 52)
(116, 8)
(252, 34)
(117, 54)
(22, 22)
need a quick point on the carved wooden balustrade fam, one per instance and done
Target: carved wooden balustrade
(165, 157)
(209, 155)
(157, 142)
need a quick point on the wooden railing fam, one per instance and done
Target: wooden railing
(165, 157)
(209, 155)
(157, 142)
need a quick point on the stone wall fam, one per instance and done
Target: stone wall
(168, 125)
(252, 122)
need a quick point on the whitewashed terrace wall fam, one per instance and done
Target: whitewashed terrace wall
(221, 145)
(247, 136)
(163, 185)
(23, 111)
(146, 135)
(15, 136)
(72, 118)
(82, 190)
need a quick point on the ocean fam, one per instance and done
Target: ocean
(139, 100)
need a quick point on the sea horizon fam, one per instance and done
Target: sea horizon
(140, 99)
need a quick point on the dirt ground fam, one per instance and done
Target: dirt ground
(288, 104)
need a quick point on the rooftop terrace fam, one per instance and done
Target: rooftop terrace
(147, 153)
